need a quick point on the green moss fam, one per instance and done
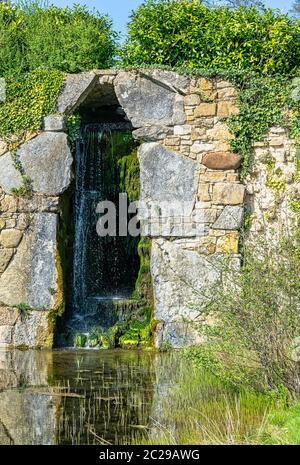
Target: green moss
(80, 340)
(274, 180)
(63, 265)
(143, 285)
(295, 206)
(73, 123)
(130, 175)
(25, 189)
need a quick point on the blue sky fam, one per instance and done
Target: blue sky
(120, 10)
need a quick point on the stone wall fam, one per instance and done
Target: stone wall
(273, 187)
(190, 186)
(185, 161)
(28, 238)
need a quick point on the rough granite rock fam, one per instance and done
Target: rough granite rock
(31, 331)
(5, 257)
(228, 193)
(54, 123)
(181, 279)
(10, 177)
(230, 218)
(10, 238)
(222, 161)
(152, 133)
(3, 147)
(147, 102)
(47, 161)
(5, 335)
(177, 82)
(31, 276)
(166, 176)
(75, 90)
(8, 316)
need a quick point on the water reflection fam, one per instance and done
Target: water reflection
(76, 397)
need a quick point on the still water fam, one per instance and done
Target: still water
(79, 397)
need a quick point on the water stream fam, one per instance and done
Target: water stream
(104, 268)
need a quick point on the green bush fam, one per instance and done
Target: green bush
(255, 336)
(28, 98)
(188, 33)
(72, 39)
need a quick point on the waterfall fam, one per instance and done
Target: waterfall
(104, 268)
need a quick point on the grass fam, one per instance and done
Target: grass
(200, 409)
(283, 427)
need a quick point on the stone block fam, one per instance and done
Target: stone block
(228, 244)
(10, 238)
(8, 316)
(222, 161)
(230, 218)
(205, 109)
(54, 123)
(75, 91)
(148, 102)
(47, 161)
(32, 274)
(192, 99)
(152, 133)
(5, 334)
(227, 108)
(228, 193)
(10, 177)
(5, 257)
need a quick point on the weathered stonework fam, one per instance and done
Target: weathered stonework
(185, 161)
(47, 160)
(272, 186)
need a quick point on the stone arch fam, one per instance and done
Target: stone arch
(185, 160)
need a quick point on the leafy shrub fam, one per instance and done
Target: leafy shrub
(188, 33)
(256, 316)
(28, 98)
(72, 39)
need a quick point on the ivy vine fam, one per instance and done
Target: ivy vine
(28, 99)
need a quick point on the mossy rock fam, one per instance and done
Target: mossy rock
(105, 342)
(80, 340)
(93, 341)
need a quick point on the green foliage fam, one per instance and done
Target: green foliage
(283, 427)
(199, 409)
(130, 175)
(188, 33)
(34, 35)
(24, 310)
(263, 102)
(274, 180)
(73, 127)
(256, 313)
(25, 189)
(28, 99)
(80, 340)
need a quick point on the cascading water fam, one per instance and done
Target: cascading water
(104, 268)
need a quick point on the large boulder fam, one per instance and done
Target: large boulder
(47, 160)
(31, 276)
(147, 101)
(75, 90)
(168, 192)
(10, 177)
(182, 279)
(166, 176)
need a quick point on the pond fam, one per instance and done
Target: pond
(116, 397)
